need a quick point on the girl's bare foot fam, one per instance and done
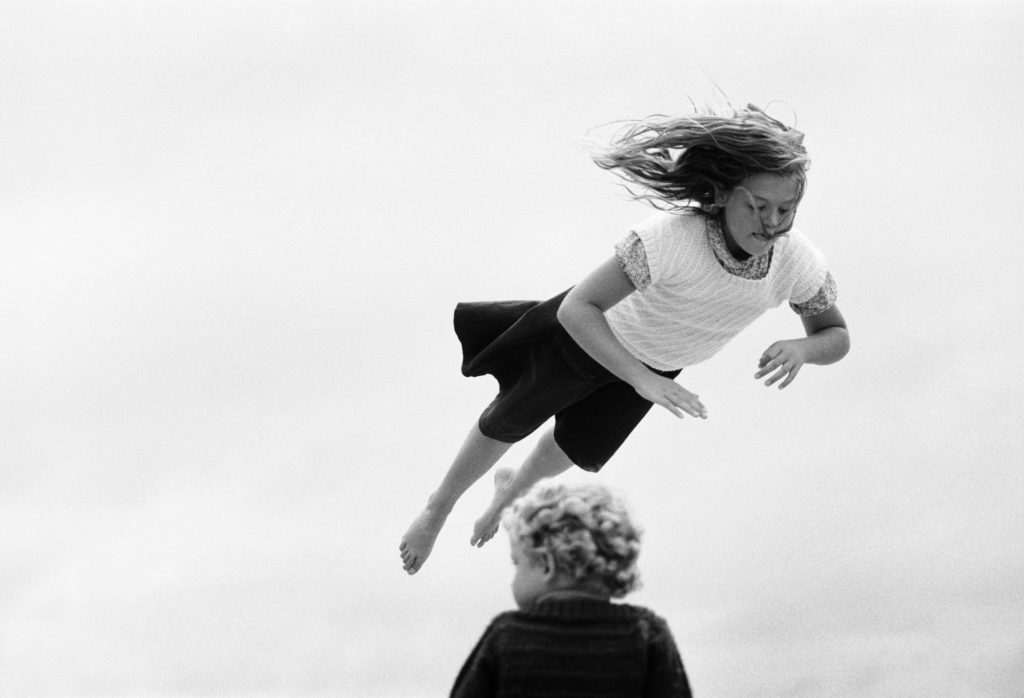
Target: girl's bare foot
(487, 525)
(419, 539)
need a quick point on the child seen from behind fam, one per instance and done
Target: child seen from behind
(574, 549)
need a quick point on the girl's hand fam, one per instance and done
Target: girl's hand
(785, 357)
(670, 395)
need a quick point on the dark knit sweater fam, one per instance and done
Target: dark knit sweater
(583, 648)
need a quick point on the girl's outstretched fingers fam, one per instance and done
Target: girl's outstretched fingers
(784, 370)
(671, 407)
(783, 361)
(690, 404)
(672, 396)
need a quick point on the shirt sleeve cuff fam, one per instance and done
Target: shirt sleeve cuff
(633, 259)
(821, 301)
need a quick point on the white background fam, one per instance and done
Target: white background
(232, 237)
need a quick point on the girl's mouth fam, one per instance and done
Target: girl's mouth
(769, 237)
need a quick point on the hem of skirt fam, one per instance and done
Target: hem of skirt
(504, 440)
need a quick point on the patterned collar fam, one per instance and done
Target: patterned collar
(752, 268)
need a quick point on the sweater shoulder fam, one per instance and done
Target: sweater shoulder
(645, 613)
(653, 626)
(504, 620)
(673, 243)
(684, 223)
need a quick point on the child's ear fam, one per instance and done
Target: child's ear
(549, 566)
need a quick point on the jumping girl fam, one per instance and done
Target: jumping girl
(721, 250)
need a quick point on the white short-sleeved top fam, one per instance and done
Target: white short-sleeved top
(693, 297)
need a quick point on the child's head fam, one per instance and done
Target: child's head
(577, 537)
(694, 160)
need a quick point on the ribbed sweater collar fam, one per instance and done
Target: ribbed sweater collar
(580, 608)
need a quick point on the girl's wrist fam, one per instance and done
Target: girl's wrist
(639, 375)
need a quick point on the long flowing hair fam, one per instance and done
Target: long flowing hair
(676, 163)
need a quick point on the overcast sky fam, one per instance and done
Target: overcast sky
(233, 235)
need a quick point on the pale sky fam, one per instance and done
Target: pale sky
(234, 233)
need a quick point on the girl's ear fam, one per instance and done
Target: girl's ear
(721, 197)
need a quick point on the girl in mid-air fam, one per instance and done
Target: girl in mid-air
(721, 250)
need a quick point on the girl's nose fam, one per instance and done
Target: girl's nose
(771, 222)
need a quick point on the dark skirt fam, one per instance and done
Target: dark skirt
(543, 373)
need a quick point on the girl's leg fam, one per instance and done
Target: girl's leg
(546, 460)
(477, 455)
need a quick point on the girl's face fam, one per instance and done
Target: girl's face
(532, 578)
(758, 212)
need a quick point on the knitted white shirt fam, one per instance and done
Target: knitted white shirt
(688, 305)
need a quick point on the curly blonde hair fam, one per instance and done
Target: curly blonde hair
(679, 161)
(585, 529)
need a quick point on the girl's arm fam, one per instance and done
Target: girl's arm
(827, 341)
(582, 315)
